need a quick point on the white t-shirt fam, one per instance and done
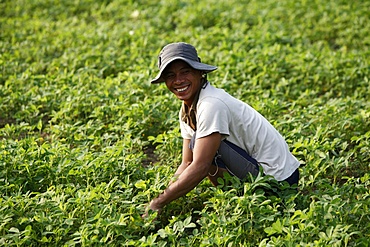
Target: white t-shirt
(239, 123)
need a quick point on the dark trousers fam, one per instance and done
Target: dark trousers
(293, 179)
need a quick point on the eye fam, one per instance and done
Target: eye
(169, 76)
(185, 71)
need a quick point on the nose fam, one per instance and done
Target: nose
(179, 79)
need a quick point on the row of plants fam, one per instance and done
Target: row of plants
(86, 142)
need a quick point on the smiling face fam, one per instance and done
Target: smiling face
(182, 80)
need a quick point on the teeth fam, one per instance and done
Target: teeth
(182, 89)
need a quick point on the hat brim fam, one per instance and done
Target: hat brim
(195, 65)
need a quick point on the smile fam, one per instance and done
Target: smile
(182, 89)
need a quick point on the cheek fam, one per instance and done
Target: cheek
(170, 88)
(168, 85)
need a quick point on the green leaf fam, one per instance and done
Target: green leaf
(39, 125)
(276, 227)
(14, 230)
(140, 185)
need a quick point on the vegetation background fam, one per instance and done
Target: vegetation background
(86, 142)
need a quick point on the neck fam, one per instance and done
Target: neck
(194, 101)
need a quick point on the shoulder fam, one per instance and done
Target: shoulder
(213, 97)
(214, 104)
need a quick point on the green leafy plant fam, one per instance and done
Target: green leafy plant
(86, 142)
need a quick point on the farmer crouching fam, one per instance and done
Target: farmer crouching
(221, 134)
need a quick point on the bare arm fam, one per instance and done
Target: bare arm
(187, 157)
(191, 171)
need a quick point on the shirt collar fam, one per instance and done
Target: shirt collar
(188, 115)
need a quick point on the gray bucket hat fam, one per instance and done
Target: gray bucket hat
(182, 51)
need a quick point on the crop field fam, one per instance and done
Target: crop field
(86, 142)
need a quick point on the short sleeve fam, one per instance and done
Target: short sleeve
(213, 115)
